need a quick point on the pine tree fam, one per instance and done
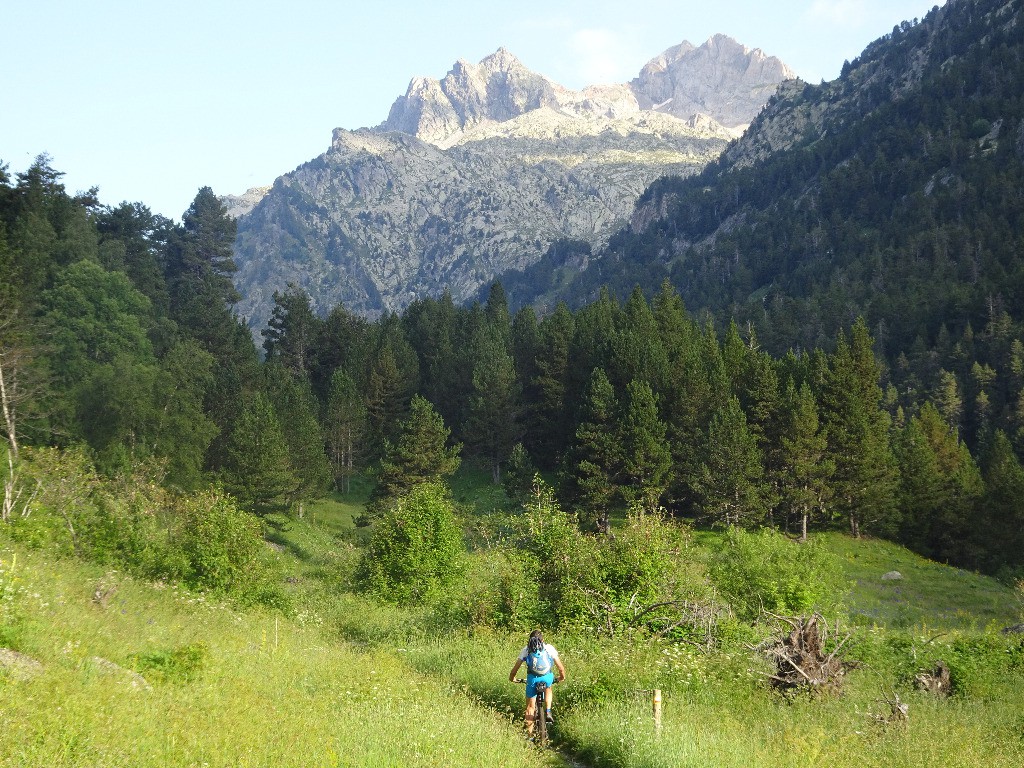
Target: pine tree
(519, 474)
(940, 490)
(495, 409)
(296, 409)
(183, 431)
(387, 393)
(806, 469)
(292, 332)
(699, 390)
(646, 456)
(948, 399)
(865, 479)
(345, 427)
(200, 264)
(637, 351)
(550, 416)
(595, 459)
(730, 481)
(257, 469)
(420, 453)
(1002, 526)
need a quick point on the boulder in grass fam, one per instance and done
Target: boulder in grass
(18, 665)
(1016, 629)
(134, 679)
(892, 576)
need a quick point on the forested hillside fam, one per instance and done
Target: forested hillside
(893, 193)
(118, 338)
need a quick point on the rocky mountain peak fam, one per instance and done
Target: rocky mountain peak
(721, 81)
(478, 172)
(497, 89)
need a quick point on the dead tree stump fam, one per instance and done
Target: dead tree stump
(936, 682)
(801, 662)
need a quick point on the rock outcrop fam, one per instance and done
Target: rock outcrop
(721, 81)
(479, 172)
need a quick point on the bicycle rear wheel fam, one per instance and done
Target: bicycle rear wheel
(541, 721)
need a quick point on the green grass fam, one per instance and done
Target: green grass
(254, 688)
(261, 690)
(929, 594)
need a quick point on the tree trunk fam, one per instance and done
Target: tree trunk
(803, 526)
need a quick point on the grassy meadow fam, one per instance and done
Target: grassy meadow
(338, 678)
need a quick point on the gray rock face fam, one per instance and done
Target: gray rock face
(478, 173)
(239, 205)
(721, 80)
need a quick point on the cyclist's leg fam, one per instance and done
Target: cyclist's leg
(549, 694)
(531, 704)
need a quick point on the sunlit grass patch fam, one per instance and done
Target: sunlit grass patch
(928, 594)
(228, 688)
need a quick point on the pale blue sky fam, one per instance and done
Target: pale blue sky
(152, 100)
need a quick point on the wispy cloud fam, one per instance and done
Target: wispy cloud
(599, 55)
(847, 13)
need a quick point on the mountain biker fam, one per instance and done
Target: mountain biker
(541, 659)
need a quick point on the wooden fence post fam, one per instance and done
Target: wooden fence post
(657, 709)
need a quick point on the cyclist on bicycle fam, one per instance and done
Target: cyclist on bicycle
(540, 659)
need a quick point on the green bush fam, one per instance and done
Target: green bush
(564, 562)
(646, 562)
(499, 590)
(765, 570)
(180, 665)
(58, 507)
(224, 549)
(585, 581)
(12, 619)
(416, 546)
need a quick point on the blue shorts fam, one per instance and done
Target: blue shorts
(532, 680)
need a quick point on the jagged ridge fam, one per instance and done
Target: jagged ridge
(477, 173)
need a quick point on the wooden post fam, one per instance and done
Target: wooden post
(657, 709)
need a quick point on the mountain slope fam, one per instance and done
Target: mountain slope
(893, 192)
(479, 172)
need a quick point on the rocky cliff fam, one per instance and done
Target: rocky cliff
(477, 173)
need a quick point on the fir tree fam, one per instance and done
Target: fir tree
(646, 456)
(806, 469)
(595, 459)
(730, 481)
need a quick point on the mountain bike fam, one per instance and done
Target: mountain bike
(540, 721)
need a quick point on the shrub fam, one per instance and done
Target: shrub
(767, 570)
(566, 563)
(59, 508)
(499, 590)
(223, 548)
(11, 616)
(180, 665)
(416, 546)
